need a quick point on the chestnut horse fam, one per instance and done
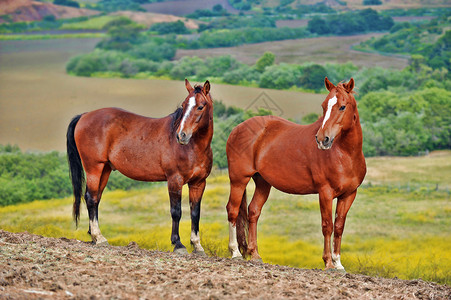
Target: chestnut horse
(175, 149)
(323, 158)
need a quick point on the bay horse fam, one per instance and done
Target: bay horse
(175, 148)
(322, 158)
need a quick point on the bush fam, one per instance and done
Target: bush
(154, 51)
(177, 27)
(281, 76)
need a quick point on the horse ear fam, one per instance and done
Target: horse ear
(349, 86)
(188, 86)
(329, 85)
(206, 88)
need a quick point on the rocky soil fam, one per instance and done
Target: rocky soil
(36, 267)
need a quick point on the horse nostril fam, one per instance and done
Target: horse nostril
(326, 140)
(182, 135)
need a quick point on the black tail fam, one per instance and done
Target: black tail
(77, 174)
(242, 226)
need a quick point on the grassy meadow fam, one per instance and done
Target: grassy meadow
(399, 224)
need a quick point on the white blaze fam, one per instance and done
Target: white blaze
(330, 104)
(191, 104)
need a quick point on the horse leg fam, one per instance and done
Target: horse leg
(237, 190)
(325, 204)
(262, 189)
(195, 196)
(343, 206)
(97, 179)
(175, 198)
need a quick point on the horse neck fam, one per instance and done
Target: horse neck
(205, 134)
(351, 140)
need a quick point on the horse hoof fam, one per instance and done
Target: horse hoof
(238, 258)
(181, 251)
(102, 244)
(331, 270)
(199, 253)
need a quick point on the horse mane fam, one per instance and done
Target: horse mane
(197, 89)
(176, 118)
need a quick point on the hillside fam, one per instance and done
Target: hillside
(149, 18)
(29, 10)
(35, 267)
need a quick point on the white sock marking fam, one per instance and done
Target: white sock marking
(233, 243)
(330, 104)
(336, 261)
(195, 240)
(96, 235)
(191, 104)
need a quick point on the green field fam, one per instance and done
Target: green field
(398, 225)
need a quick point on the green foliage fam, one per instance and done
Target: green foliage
(123, 33)
(236, 37)
(281, 76)
(177, 27)
(353, 22)
(266, 60)
(430, 40)
(313, 77)
(233, 22)
(310, 118)
(405, 125)
(25, 177)
(67, 3)
(372, 2)
(217, 11)
(117, 5)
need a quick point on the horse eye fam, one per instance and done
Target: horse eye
(200, 107)
(342, 107)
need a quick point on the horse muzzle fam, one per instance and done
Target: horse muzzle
(183, 138)
(324, 144)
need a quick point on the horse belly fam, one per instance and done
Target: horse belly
(287, 176)
(140, 164)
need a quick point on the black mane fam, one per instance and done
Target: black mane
(197, 89)
(176, 118)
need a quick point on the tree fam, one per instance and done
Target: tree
(122, 34)
(67, 3)
(313, 77)
(318, 26)
(372, 2)
(266, 60)
(177, 27)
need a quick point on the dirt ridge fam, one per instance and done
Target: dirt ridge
(29, 10)
(33, 266)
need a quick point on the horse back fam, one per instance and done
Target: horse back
(128, 142)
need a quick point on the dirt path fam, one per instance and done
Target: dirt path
(33, 266)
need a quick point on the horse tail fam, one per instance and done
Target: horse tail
(76, 169)
(242, 226)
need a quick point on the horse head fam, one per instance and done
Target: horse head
(197, 112)
(339, 113)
